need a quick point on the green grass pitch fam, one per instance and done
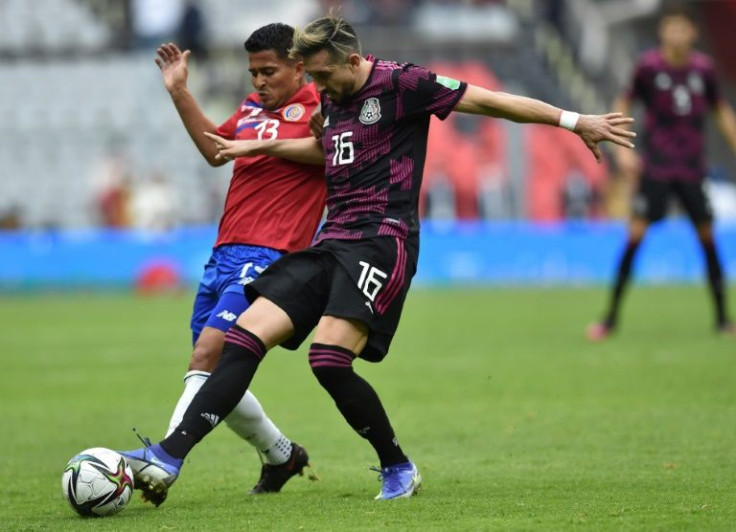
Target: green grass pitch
(516, 422)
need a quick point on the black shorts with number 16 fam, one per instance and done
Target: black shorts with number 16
(365, 280)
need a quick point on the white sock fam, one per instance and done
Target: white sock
(251, 423)
(193, 381)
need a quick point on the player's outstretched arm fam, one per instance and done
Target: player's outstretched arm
(726, 120)
(174, 70)
(592, 129)
(306, 150)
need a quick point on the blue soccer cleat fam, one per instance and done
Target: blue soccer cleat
(399, 481)
(154, 471)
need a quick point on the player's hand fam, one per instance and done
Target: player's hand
(594, 129)
(227, 150)
(315, 122)
(173, 65)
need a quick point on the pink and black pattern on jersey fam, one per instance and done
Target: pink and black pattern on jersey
(375, 146)
(677, 101)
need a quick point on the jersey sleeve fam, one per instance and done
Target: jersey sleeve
(636, 88)
(227, 128)
(423, 92)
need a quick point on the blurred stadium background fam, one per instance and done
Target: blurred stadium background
(100, 180)
(517, 422)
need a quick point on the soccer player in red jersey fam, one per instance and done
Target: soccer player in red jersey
(273, 207)
(352, 283)
(678, 88)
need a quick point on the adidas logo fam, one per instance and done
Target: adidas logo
(326, 122)
(227, 315)
(211, 418)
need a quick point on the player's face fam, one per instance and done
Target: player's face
(678, 33)
(275, 79)
(337, 80)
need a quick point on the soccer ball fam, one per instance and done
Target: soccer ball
(97, 482)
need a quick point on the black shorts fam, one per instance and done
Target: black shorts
(652, 199)
(365, 280)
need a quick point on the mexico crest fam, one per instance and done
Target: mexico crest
(371, 112)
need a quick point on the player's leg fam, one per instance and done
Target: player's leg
(259, 328)
(649, 205)
(695, 202)
(248, 420)
(368, 285)
(331, 357)
(282, 459)
(212, 316)
(716, 278)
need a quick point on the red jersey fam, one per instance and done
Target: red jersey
(272, 202)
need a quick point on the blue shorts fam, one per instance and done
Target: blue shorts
(220, 298)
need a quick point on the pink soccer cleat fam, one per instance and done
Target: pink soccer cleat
(597, 332)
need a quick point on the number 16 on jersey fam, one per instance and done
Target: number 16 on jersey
(344, 152)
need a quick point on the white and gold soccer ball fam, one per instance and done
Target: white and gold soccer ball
(97, 482)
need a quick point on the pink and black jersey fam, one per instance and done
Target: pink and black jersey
(272, 202)
(676, 100)
(375, 145)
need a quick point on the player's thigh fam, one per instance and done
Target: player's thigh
(651, 200)
(298, 284)
(267, 321)
(347, 333)
(369, 287)
(695, 202)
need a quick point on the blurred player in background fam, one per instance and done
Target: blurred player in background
(273, 206)
(678, 88)
(352, 283)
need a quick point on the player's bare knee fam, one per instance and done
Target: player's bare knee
(637, 231)
(705, 234)
(204, 357)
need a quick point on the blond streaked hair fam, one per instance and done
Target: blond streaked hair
(331, 33)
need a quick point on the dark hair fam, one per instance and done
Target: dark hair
(331, 33)
(677, 9)
(277, 37)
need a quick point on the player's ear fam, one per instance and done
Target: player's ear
(299, 68)
(354, 60)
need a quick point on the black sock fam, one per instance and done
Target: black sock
(716, 281)
(356, 400)
(220, 393)
(622, 279)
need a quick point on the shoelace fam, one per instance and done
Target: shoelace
(144, 440)
(390, 481)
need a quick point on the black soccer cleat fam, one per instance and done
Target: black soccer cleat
(273, 477)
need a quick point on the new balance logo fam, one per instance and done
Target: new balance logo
(212, 419)
(227, 315)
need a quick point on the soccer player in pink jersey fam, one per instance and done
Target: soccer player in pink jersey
(351, 284)
(679, 89)
(273, 207)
